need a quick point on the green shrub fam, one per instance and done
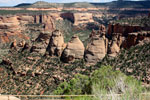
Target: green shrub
(104, 77)
(104, 81)
(107, 81)
(78, 85)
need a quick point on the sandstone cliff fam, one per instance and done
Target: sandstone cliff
(96, 50)
(14, 25)
(56, 43)
(74, 50)
(47, 20)
(78, 18)
(123, 29)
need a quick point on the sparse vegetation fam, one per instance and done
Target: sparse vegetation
(105, 83)
(121, 78)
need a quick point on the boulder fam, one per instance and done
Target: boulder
(26, 47)
(14, 45)
(96, 50)
(74, 50)
(56, 43)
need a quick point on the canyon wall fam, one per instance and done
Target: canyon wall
(78, 18)
(123, 29)
(14, 25)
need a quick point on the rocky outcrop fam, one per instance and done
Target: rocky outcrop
(97, 47)
(82, 18)
(9, 22)
(118, 41)
(74, 50)
(13, 45)
(135, 38)
(10, 27)
(14, 25)
(113, 49)
(26, 19)
(78, 18)
(19, 45)
(124, 29)
(68, 16)
(115, 44)
(96, 50)
(47, 20)
(41, 44)
(56, 43)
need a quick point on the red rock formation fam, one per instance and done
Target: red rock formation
(68, 16)
(47, 20)
(124, 29)
(135, 38)
(12, 26)
(131, 40)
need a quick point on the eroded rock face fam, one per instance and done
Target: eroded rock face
(74, 50)
(26, 19)
(81, 18)
(14, 25)
(96, 50)
(68, 16)
(78, 18)
(56, 43)
(115, 44)
(9, 27)
(114, 49)
(135, 38)
(132, 39)
(41, 44)
(124, 29)
(47, 20)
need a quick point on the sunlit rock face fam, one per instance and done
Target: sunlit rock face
(47, 20)
(56, 43)
(74, 50)
(78, 18)
(95, 50)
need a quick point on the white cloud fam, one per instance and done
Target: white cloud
(11, 1)
(96, 0)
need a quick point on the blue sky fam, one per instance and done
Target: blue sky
(15, 2)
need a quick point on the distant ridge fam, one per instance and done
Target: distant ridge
(23, 5)
(79, 5)
(44, 4)
(113, 4)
